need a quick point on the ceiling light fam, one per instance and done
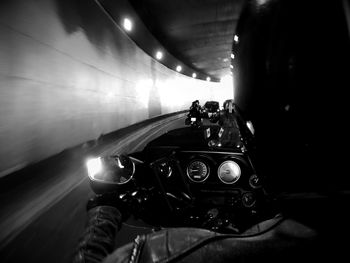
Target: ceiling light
(159, 55)
(208, 78)
(178, 68)
(235, 38)
(232, 56)
(127, 24)
(194, 75)
(231, 66)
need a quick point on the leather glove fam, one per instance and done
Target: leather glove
(104, 221)
(108, 199)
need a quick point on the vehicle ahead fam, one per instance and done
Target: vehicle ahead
(211, 106)
(195, 115)
(227, 101)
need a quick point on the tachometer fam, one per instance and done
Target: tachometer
(229, 172)
(197, 171)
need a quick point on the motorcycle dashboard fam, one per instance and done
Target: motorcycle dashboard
(209, 177)
(179, 178)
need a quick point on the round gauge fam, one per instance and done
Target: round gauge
(165, 170)
(254, 181)
(197, 171)
(229, 172)
(248, 199)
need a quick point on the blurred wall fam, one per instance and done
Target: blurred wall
(68, 74)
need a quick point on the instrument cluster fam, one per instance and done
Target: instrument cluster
(211, 169)
(219, 168)
(228, 172)
(219, 178)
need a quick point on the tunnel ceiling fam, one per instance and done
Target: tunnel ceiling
(197, 32)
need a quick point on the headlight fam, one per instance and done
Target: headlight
(111, 169)
(94, 167)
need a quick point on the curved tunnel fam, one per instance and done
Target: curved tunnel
(74, 83)
(71, 81)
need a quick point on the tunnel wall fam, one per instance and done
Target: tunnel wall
(68, 74)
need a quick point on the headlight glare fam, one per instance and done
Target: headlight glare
(111, 169)
(94, 167)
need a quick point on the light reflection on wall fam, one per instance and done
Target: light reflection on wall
(143, 88)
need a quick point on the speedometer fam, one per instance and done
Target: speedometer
(197, 171)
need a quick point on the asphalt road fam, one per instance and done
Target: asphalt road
(43, 215)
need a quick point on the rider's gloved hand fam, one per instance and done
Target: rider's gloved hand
(106, 199)
(104, 221)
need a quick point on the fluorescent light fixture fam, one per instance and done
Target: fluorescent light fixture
(159, 55)
(208, 78)
(232, 56)
(235, 38)
(178, 68)
(127, 24)
(194, 75)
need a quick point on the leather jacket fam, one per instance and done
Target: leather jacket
(274, 240)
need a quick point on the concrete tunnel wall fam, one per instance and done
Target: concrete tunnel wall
(65, 79)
